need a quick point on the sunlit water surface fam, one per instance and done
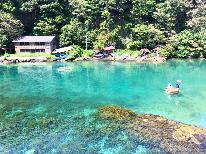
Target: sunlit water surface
(43, 110)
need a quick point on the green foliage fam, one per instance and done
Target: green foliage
(167, 51)
(7, 7)
(146, 36)
(79, 9)
(172, 14)
(134, 45)
(132, 53)
(76, 51)
(106, 37)
(108, 32)
(120, 10)
(73, 33)
(10, 28)
(187, 44)
(45, 27)
(7, 55)
(184, 40)
(143, 8)
(29, 6)
(197, 19)
(87, 53)
(51, 20)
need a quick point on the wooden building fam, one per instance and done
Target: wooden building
(35, 44)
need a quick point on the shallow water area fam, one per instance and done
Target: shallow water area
(45, 110)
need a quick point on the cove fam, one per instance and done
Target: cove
(47, 111)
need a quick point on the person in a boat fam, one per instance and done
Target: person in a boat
(173, 90)
(178, 84)
(169, 86)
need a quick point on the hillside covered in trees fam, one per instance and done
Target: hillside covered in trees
(176, 27)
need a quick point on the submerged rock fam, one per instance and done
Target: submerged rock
(115, 113)
(169, 135)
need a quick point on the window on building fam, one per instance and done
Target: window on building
(33, 50)
(40, 43)
(24, 43)
(42, 50)
(22, 50)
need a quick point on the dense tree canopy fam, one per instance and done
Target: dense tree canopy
(197, 15)
(10, 28)
(133, 24)
(73, 32)
(146, 36)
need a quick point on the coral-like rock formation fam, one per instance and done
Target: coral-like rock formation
(115, 113)
(169, 135)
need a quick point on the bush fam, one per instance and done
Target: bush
(131, 53)
(87, 53)
(134, 45)
(167, 51)
(7, 55)
(76, 51)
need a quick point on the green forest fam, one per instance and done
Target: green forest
(177, 28)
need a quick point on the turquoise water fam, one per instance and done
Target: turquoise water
(43, 110)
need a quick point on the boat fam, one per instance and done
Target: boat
(172, 91)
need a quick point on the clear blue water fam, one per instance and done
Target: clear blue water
(43, 110)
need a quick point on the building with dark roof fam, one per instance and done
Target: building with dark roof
(35, 44)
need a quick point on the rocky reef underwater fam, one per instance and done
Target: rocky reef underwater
(168, 135)
(109, 128)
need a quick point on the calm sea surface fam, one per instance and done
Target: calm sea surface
(44, 110)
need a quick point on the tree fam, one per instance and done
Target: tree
(10, 28)
(73, 33)
(186, 44)
(105, 38)
(107, 34)
(46, 27)
(143, 9)
(146, 36)
(52, 19)
(197, 16)
(172, 14)
(7, 7)
(79, 9)
(120, 11)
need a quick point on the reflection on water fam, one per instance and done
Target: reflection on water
(43, 110)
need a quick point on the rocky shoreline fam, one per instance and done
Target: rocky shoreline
(168, 135)
(14, 60)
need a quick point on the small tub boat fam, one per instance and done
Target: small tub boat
(172, 91)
